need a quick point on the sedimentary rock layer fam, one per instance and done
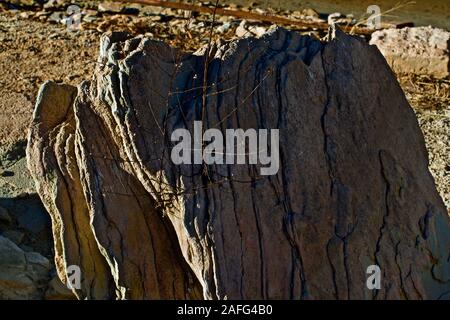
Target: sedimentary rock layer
(353, 189)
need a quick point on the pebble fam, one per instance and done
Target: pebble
(258, 31)
(224, 27)
(310, 13)
(260, 11)
(241, 30)
(55, 17)
(53, 4)
(333, 17)
(24, 15)
(89, 19)
(110, 7)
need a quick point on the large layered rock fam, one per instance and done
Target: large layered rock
(353, 189)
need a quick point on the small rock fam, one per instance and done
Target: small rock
(310, 13)
(24, 275)
(155, 18)
(260, 11)
(89, 19)
(53, 4)
(224, 19)
(110, 7)
(420, 50)
(41, 14)
(176, 22)
(7, 173)
(241, 30)
(24, 15)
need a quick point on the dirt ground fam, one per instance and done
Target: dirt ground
(32, 52)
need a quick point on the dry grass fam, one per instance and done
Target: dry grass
(365, 18)
(425, 93)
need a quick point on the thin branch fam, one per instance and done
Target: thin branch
(269, 18)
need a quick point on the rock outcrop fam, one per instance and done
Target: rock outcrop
(353, 189)
(23, 275)
(420, 50)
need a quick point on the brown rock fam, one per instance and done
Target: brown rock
(310, 13)
(353, 189)
(111, 7)
(421, 50)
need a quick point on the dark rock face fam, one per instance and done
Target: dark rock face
(353, 189)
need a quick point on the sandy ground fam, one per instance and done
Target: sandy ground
(32, 52)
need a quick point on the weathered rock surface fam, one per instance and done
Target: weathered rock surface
(133, 257)
(353, 189)
(23, 275)
(58, 291)
(421, 50)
